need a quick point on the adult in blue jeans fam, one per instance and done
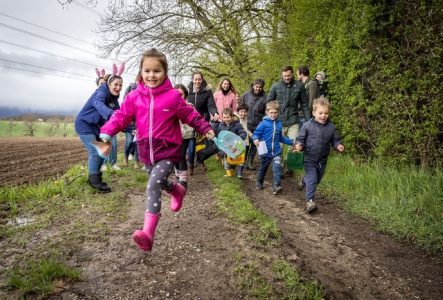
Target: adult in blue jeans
(94, 114)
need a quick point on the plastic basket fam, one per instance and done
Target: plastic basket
(230, 143)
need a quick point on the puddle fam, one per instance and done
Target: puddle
(20, 221)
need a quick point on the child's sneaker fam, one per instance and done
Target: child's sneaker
(259, 186)
(103, 168)
(311, 206)
(301, 183)
(277, 190)
(116, 167)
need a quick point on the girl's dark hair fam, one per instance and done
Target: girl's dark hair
(154, 53)
(243, 106)
(183, 88)
(259, 81)
(231, 87)
(109, 78)
(197, 72)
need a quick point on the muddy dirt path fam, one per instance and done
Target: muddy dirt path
(191, 259)
(343, 253)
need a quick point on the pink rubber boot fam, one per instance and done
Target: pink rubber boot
(145, 238)
(177, 195)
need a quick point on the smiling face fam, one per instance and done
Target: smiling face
(227, 118)
(243, 114)
(116, 86)
(225, 85)
(258, 88)
(197, 80)
(152, 72)
(287, 76)
(321, 113)
(272, 113)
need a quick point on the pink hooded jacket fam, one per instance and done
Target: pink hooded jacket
(157, 112)
(223, 101)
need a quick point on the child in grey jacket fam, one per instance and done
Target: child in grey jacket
(316, 138)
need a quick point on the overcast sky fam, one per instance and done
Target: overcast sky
(25, 45)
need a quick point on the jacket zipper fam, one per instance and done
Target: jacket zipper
(273, 136)
(151, 122)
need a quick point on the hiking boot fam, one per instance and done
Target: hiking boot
(130, 157)
(145, 238)
(311, 206)
(301, 183)
(95, 182)
(277, 190)
(259, 185)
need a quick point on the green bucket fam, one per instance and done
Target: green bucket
(295, 160)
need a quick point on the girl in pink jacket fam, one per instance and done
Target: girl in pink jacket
(157, 109)
(226, 96)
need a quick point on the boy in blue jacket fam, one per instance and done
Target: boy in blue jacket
(316, 138)
(270, 131)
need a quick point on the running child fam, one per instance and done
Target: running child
(316, 138)
(157, 109)
(270, 131)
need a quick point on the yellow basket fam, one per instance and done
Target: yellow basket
(239, 160)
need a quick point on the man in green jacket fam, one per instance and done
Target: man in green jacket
(290, 93)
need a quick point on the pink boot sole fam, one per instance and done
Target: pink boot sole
(142, 240)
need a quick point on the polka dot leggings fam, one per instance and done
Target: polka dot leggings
(158, 181)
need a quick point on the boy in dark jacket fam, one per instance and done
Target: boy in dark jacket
(230, 124)
(316, 138)
(270, 131)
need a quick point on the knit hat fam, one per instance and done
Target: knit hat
(322, 75)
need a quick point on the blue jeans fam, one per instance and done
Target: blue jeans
(94, 160)
(265, 161)
(314, 172)
(130, 146)
(112, 159)
(191, 152)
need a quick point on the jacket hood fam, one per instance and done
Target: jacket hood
(165, 86)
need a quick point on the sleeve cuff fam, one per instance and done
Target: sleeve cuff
(105, 136)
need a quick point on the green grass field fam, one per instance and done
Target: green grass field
(41, 129)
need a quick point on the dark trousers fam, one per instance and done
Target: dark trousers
(314, 171)
(265, 161)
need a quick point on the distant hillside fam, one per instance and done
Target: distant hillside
(8, 112)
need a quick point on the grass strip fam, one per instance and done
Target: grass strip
(406, 202)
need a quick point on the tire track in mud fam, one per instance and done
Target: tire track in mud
(343, 253)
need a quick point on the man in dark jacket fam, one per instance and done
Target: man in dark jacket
(290, 93)
(256, 100)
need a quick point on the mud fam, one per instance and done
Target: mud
(194, 250)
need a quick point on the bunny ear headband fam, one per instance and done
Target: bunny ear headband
(100, 74)
(116, 72)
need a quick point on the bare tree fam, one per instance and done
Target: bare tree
(30, 125)
(216, 36)
(11, 126)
